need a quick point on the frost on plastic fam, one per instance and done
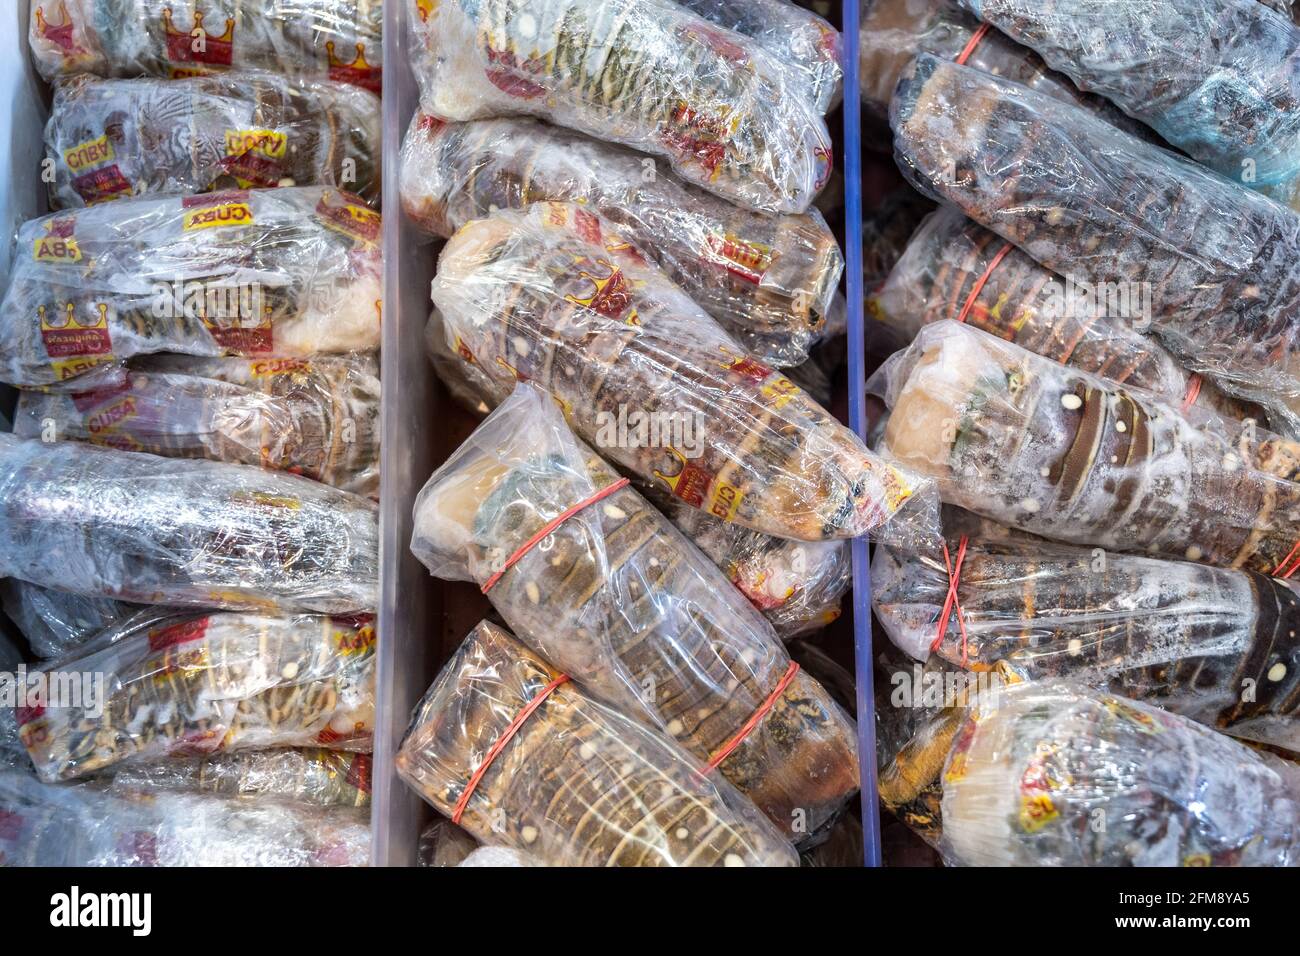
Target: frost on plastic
(1070, 456)
(136, 527)
(769, 281)
(334, 39)
(82, 825)
(313, 417)
(202, 685)
(259, 273)
(620, 601)
(554, 295)
(954, 268)
(56, 623)
(1057, 775)
(1214, 260)
(1219, 79)
(1216, 645)
(578, 784)
(644, 73)
(115, 139)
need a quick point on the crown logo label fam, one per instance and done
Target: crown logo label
(196, 45)
(61, 33)
(358, 72)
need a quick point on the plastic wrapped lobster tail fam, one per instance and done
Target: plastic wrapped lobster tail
(1028, 776)
(554, 295)
(1191, 638)
(521, 757)
(304, 775)
(623, 603)
(115, 139)
(136, 527)
(1233, 104)
(83, 825)
(313, 417)
(1073, 457)
(289, 272)
(56, 623)
(644, 73)
(768, 280)
(1213, 259)
(954, 268)
(333, 39)
(201, 685)
(798, 37)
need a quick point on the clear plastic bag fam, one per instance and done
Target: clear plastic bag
(954, 268)
(312, 776)
(578, 784)
(80, 825)
(204, 685)
(442, 843)
(724, 112)
(499, 856)
(117, 139)
(1204, 263)
(264, 272)
(618, 599)
(152, 530)
(1059, 453)
(56, 623)
(1028, 780)
(1215, 645)
(554, 295)
(313, 417)
(333, 39)
(1233, 103)
(769, 281)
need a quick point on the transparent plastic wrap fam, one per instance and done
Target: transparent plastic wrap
(56, 623)
(442, 843)
(264, 272)
(151, 530)
(554, 295)
(1215, 645)
(768, 280)
(1203, 262)
(723, 111)
(116, 139)
(798, 37)
(954, 268)
(576, 783)
(80, 825)
(333, 39)
(1027, 781)
(312, 775)
(499, 856)
(887, 230)
(313, 417)
(1059, 453)
(203, 685)
(619, 600)
(1233, 103)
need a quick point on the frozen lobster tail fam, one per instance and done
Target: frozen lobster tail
(136, 527)
(1213, 258)
(577, 784)
(555, 296)
(203, 685)
(1030, 774)
(768, 280)
(644, 73)
(1233, 104)
(260, 273)
(619, 600)
(117, 139)
(333, 39)
(1057, 452)
(313, 417)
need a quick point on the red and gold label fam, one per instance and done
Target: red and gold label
(87, 155)
(102, 185)
(352, 218)
(75, 342)
(198, 44)
(183, 633)
(217, 215)
(745, 260)
(355, 641)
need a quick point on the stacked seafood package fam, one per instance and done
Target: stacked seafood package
(188, 518)
(1097, 341)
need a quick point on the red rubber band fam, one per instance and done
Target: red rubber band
(980, 282)
(971, 44)
(1193, 390)
(551, 526)
(754, 721)
(953, 603)
(1277, 571)
(500, 745)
